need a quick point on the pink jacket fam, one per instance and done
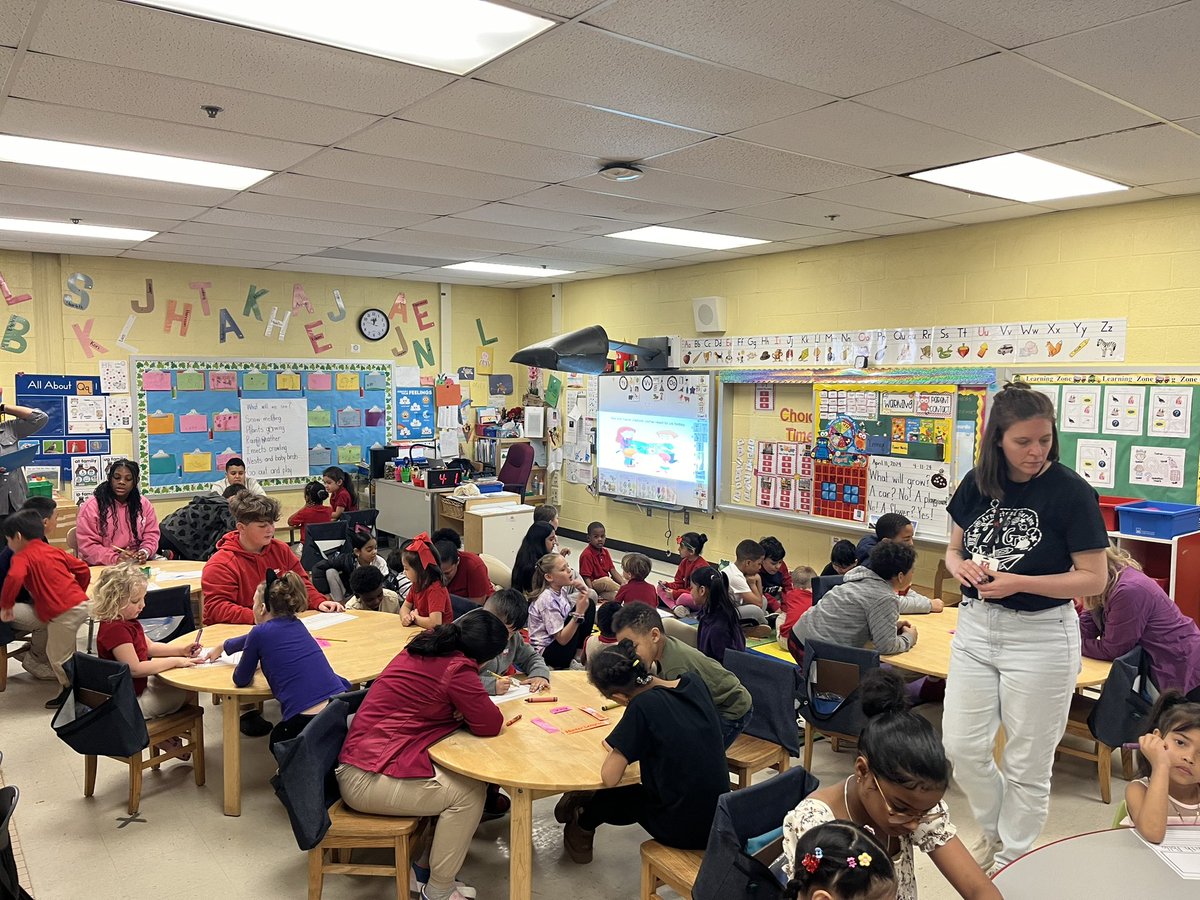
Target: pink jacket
(96, 549)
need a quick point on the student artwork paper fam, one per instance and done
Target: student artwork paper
(1096, 462)
(287, 381)
(222, 381)
(114, 376)
(193, 421)
(256, 381)
(348, 417)
(1157, 466)
(227, 421)
(1051, 391)
(1123, 409)
(156, 380)
(1081, 409)
(197, 461)
(347, 381)
(1170, 412)
(120, 412)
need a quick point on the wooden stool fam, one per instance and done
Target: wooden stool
(747, 755)
(186, 723)
(351, 829)
(663, 865)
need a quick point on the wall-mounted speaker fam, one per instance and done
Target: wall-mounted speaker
(711, 314)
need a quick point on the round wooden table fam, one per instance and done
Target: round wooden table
(165, 573)
(531, 763)
(358, 650)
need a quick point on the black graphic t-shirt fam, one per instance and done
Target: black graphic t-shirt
(1033, 530)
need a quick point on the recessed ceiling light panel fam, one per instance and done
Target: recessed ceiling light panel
(450, 35)
(69, 229)
(1016, 176)
(681, 237)
(621, 172)
(499, 269)
(128, 163)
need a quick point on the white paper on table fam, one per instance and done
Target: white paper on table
(178, 576)
(225, 659)
(515, 692)
(324, 620)
(1180, 849)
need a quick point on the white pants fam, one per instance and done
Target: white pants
(1015, 669)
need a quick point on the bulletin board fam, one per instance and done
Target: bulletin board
(190, 416)
(77, 431)
(1128, 434)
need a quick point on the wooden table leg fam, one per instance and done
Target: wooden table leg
(232, 751)
(520, 839)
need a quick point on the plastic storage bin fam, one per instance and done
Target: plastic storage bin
(1150, 518)
(1108, 509)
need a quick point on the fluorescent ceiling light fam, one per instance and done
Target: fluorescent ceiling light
(128, 163)
(36, 226)
(681, 237)
(1015, 176)
(451, 35)
(498, 269)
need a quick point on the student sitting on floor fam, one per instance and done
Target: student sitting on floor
(314, 511)
(538, 541)
(675, 803)
(562, 615)
(605, 636)
(839, 860)
(796, 603)
(363, 551)
(719, 628)
(774, 574)
(428, 602)
(841, 559)
(367, 592)
(235, 474)
(596, 565)
(117, 600)
(745, 582)
(674, 594)
(888, 527)
(636, 589)
(548, 515)
(896, 790)
(670, 657)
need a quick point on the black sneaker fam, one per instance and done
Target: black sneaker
(496, 805)
(254, 725)
(59, 700)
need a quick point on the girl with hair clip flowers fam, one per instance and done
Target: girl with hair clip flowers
(428, 602)
(675, 803)
(1168, 789)
(840, 861)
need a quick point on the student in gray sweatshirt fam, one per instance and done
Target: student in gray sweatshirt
(866, 606)
(511, 607)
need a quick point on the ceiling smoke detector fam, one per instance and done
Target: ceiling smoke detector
(621, 172)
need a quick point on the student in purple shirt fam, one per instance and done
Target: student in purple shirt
(1134, 610)
(292, 662)
(719, 629)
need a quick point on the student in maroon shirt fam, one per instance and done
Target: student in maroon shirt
(596, 565)
(424, 694)
(465, 574)
(636, 589)
(337, 485)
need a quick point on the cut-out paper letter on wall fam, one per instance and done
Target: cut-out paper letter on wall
(78, 285)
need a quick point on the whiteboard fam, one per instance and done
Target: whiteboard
(275, 438)
(916, 488)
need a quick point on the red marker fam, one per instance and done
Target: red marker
(513, 721)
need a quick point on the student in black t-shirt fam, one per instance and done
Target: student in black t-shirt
(675, 802)
(1027, 537)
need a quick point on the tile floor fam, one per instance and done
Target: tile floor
(186, 848)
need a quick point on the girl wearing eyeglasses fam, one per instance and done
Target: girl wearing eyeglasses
(895, 793)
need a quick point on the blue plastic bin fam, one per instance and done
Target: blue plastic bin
(1152, 518)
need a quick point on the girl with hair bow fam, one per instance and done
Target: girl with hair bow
(428, 603)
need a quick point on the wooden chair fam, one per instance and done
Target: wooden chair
(748, 755)
(1100, 753)
(833, 671)
(72, 542)
(7, 636)
(939, 579)
(663, 865)
(770, 739)
(186, 723)
(350, 830)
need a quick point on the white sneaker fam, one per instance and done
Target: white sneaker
(983, 850)
(456, 894)
(995, 870)
(418, 887)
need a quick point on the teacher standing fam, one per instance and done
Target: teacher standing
(1027, 537)
(24, 422)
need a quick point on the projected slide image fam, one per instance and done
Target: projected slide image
(648, 445)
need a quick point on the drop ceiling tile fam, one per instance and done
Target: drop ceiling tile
(1006, 100)
(14, 17)
(53, 214)
(1187, 186)
(345, 267)
(214, 259)
(1142, 156)
(713, 256)
(836, 48)
(1020, 22)
(316, 209)
(567, 256)
(73, 82)
(287, 223)
(1139, 60)
(461, 150)
(736, 161)
(229, 243)
(632, 248)
(826, 240)
(581, 63)
(212, 52)
(531, 258)
(565, 199)
(44, 244)
(747, 226)
(908, 197)
(341, 257)
(6, 60)
(538, 218)
(999, 213)
(816, 212)
(233, 255)
(683, 190)
(566, 8)
(98, 203)
(84, 126)
(498, 231)
(43, 178)
(479, 108)
(404, 173)
(861, 136)
(910, 227)
(457, 243)
(267, 235)
(325, 189)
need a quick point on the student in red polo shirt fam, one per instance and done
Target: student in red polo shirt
(465, 574)
(596, 566)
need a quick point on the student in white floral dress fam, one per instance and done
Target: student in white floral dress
(895, 792)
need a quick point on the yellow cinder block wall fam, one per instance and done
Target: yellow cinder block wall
(1138, 260)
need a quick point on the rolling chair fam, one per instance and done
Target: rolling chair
(514, 474)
